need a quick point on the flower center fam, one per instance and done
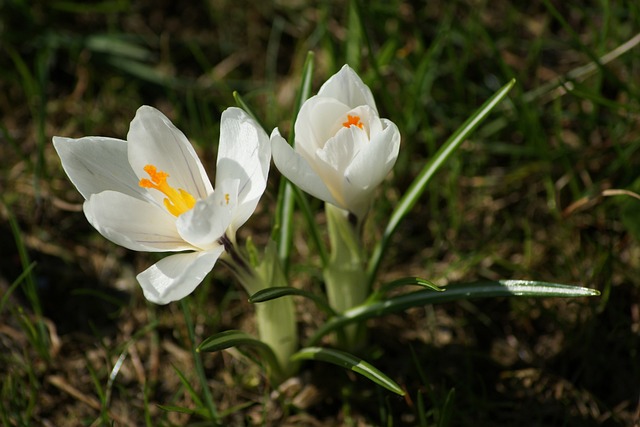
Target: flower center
(352, 121)
(177, 201)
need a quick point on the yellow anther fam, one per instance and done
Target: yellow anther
(177, 201)
(226, 198)
(352, 121)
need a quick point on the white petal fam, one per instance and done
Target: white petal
(332, 162)
(318, 120)
(373, 163)
(154, 140)
(244, 154)
(297, 170)
(176, 276)
(133, 223)
(203, 225)
(347, 87)
(95, 164)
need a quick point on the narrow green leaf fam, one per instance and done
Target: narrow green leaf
(305, 85)
(285, 202)
(143, 71)
(41, 334)
(417, 281)
(180, 409)
(15, 284)
(353, 44)
(120, 46)
(187, 384)
(235, 338)
(447, 409)
(210, 406)
(312, 229)
(578, 40)
(236, 408)
(418, 186)
(281, 291)
(227, 339)
(484, 289)
(242, 104)
(351, 362)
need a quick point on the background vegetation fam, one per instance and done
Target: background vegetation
(79, 345)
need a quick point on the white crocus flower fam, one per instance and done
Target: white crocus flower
(151, 193)
(343, 149)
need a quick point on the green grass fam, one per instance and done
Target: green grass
(520, 199)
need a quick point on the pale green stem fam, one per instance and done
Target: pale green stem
(276, 318)
(277, 328)
(345, 274)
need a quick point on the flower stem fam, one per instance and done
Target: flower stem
(345, 276)
(275, 319)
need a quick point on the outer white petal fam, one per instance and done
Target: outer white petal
(347, 87)
(297, 170)
(153, 139)
(133, 223)
(203, 225)
(373, 163)
(318, 120)
(176, 276)
(244, 154)
(95, 164)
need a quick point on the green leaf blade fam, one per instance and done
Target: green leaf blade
(228, 339)
(418, 186)
(282, 291)
(484, 289)
(350, 362)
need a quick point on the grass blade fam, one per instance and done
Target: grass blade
(197, 360)
(283, 229)
(447, 409)
(312, 229)
(418, 186)
(187, 385)
(15, 284)
(242, 104)
(350, 362)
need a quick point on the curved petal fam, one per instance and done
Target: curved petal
(297, 170)
(332, 162)
(154, 140)
(318, 120)
(203, 225)
(95, 164)
(176, 276)
(244, 154)
(347, 87)
(133, 223)
(373, 163)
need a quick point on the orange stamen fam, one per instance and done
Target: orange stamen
(177, 201)
(352, 121)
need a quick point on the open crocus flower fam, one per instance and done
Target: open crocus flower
(151, 193)
(343, 149)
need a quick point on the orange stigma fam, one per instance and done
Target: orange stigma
(352, 121)
(177, 201)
